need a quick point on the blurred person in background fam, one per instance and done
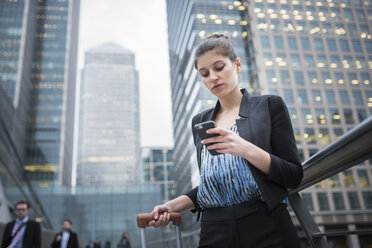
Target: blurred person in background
(22, 232)
(107, 244)
(97, 243)
(66, 238)
(124, 241)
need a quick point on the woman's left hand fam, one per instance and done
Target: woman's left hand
(227, 142)
(230, 142)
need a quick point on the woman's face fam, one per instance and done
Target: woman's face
(218, 73)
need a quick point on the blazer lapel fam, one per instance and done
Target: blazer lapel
(243, 123)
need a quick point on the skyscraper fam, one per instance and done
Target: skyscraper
(49, 140)
(316, 54)
(109, 135)
(158, 168)
(17, 26)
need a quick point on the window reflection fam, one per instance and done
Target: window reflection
(284, 77)
(324, 137)
(338, 132)
(309, 135)
(348, 179)
(281, 59)
(299, 78)
(353, 200)
(323, 201)
(353, 80)
(330, 97)
(302, 97)
(338, 201)
(293, 115)
(334, 181)
(297, 135)
(268, 59)
(317, 99)
(362, 115)
(271, 78)
(306, 197)
(288, 96)
(344, 97)
(305, 43)
(295, 60)
(335, 115)
(363, 180)
(309, 60)
(349, 119)
(357, 98)
(292, 43)
(322, 61)
(326, 77)
(335, 61)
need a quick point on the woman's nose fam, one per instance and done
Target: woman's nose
(213, 77)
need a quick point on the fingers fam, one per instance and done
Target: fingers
(159, 210)
(160, 215)
(225, 136)
(162, 221)
(219, 130)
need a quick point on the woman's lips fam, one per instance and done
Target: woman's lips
(217, 86)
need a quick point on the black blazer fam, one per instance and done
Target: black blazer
(265, 122)
(31, 237)
(72, 241)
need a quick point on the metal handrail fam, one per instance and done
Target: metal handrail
(349, 150)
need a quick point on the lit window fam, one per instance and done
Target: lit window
(335, 115)
(324, 137)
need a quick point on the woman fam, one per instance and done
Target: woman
(242, 190)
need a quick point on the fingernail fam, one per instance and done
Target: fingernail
(156, 217)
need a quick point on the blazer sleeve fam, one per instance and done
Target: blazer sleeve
(55, 243)
(37, 240)
(285, 167)
(6, 235)
(76, 241)
(192, 194)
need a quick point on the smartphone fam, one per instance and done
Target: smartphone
(201, 130)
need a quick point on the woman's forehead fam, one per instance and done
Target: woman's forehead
(210, 58)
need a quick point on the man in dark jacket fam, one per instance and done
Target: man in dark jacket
(66, 238)
(22, 232)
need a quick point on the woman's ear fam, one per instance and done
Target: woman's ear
(238, 63)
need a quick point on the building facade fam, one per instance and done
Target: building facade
(14, 183)
(317, 55)
(158, 168)
(109, 136)
(50, 127)
(38, 42)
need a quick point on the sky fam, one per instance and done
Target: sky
(140, 26)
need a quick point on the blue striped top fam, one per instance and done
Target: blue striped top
(225, 180)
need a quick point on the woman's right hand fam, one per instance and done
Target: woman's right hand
(161, 215)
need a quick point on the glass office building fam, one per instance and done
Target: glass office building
(158, 168)
(14, 184)
(103, 212)
(109, 135)
(316, 54)
(38, 49)
(48, 158)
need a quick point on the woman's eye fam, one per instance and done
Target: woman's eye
(220, 68)
(204, 74)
